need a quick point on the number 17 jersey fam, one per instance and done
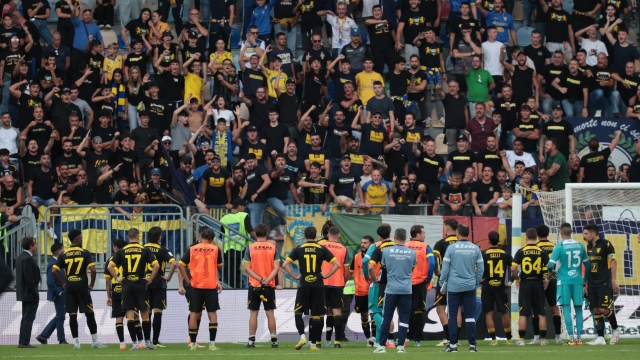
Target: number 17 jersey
(134, 259)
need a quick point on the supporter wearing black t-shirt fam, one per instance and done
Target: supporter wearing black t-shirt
(251, 145)
(137, 58)
(561, 130)
(622, 93)
(593, 166)
(484, 193)
(129, 160)
(459, 161)
(342, 183)
(455, 193)
(274, 135)
(539, 55)
(95, 158)
(257, 176)
(42, 182)
(315, 83)
(213, 191)
(259, 107)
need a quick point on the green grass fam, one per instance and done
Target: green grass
(352, 350)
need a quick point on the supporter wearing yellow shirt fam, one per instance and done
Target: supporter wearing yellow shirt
(111, 62)
(220, 55)
(272, 74)
(376, 191)
(365, 80)
(193, 81)
(159, 26)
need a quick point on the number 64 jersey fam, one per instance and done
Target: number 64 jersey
(134, 259)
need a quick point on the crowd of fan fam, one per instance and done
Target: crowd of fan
(345, 124)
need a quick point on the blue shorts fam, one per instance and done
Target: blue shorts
(40, 201)
(567, 292)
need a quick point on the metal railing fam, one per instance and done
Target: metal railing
(102, 225)
(11, 238)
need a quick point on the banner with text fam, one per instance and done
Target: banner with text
(604, 130)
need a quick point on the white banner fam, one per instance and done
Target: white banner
(233, 319)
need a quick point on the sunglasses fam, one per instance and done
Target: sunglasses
(167, 142)
(215, 161)
(204, 143)
(316, 41)
(82, 175)
(254, 33)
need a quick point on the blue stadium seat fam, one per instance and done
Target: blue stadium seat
(567, 5)
(524, 36)
(235, 39)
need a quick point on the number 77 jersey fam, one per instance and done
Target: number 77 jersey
(568, 257)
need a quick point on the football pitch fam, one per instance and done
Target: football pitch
(352, 350)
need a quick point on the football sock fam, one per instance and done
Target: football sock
(120, 331)
(337, 324)
(138, 329)
(507, 331)
(274, 338)
(568, 319)
(73, 324)
(366, 329)
(300, 325)
(213, 331)
(131, 325)
(91, 323)
(557, 323)
(599, 324)
(445, 328)
(535, 324)
(611, 318)
(157, 324)
(329, 326)
(146, 329)
(579, 320)
(193, 334)
(492, 333)
(543, 333)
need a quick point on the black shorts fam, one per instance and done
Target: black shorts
(550, 293)
(310, 300)
(600, 296)
(531, 297)
(204, 298)
(381, 289)
(265, 296)
(116, 308)
(333, 297)
(497, 298)
(362, 305)
(433, 191)
(187, 294)
(418, 296)
(441, 300)
(157, 298)
(135, 298)
(78, 301)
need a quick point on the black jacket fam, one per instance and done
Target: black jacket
(27, 278)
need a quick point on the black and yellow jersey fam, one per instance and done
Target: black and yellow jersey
(164, 257)
(546, 245)
(134, 259)
(75, 261)
(310, 257)
(376, 257)
(440, 248)
(116, 288)
(497, 263)
(533, 263)
(600, 256)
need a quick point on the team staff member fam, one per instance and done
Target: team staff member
(157, 289)
(76, 261)
(334, 285)
(27, 279)
(439, 249)
(533, 270)
(602, 283)
(134, 260)
(420, 280)
(114, 299)
(462, 269)
(55, 294)
(362, 290)
(550, 292)
(310, 295)
(204, 260)
(237, 229)
(398, 262)
(262, 264)
(494, 291)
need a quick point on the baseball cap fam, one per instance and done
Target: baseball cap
(166, 138)
(193, 34)
(238, 202)
(65, 90)
(216, 157)
(462, 137)
(355, 31)
(156, 171)
(465, 26)
(557, 106)
(353, 137)
(290, 81)
(185, 158)
(252, 128)
(97, 139)
(345, 156)
(167, 33)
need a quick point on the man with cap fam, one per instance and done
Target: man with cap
(374, 135)
(214, 184)
(341, 185)
(59, 101)
(180, 132)
(165, 52)
(85, 31)
(559, 129)
(190, 46)
(479, 127)
(94, 158)
(160, 160)
(523, 78)
(237, 228)
(355, 155)
(104, 130)
(356, 51)
(156, 189)
(184, 173)
(250, 145)
(459, 160)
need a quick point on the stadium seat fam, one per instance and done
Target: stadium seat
(152, 5)
(441, 148)
(567, 5)
(524, 36)
(235, 39)
(518, 14)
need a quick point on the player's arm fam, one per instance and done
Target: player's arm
(92, 268)
(56, 270)
(287, 267)
(365, 261)
(444, 273)
(182, 268)
(555, 254)
(151, 259)
(247, 265)
(514, 266)
(614, 271)
(172, 269)
(432, 263)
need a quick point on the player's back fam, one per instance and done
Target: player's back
(440, 247)
(261, 257)
(496, 264)
(569, 255)
(75, 261)
(340, 252)
(533, 263)
(421, 270)
(310, 257)
(116, 287)
(204, 259)
(134, 259)
(357, 271)
(546, 245)
(164, 257)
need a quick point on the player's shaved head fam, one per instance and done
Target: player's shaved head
(565, 230)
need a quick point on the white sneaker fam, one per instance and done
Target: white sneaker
(559, 340)
(380, 350)
(108, 26)
(534, 342)
(443, 343)
(441, 120)
(428, 120)
(371, 342)
(101, 27)
(272, 233)
(52, 234)
(598, 341)
(615, 335)
(283, 229)
(598, 113)
(401, 349)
